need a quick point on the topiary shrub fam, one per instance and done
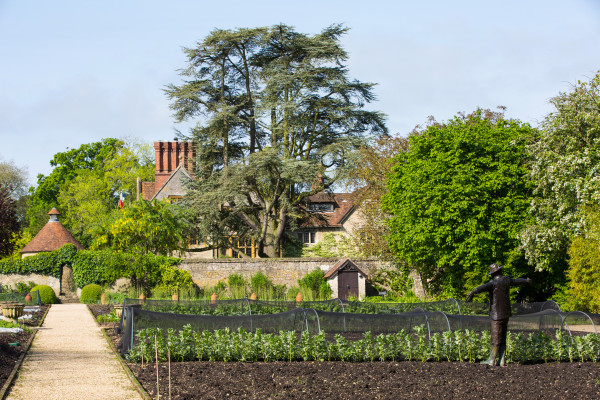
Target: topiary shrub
(46, 293)
(90, 294)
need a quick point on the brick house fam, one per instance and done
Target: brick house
(326, 212)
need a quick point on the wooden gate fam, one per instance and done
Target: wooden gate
(347, 284)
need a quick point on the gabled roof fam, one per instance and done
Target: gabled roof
(51, 237)
(343, 264)
(174, 180)
(343, 206)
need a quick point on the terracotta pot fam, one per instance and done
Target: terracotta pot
(142, 298)
(299, 298)
(213, 298)
(253, 296)
(175, 297)
(103, 298)
(27, 298)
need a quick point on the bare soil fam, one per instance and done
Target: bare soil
(377, 380)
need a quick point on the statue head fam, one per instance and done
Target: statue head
(495, 269)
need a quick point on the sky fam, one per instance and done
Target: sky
(74, 72)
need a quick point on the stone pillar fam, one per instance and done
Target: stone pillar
(67, 284)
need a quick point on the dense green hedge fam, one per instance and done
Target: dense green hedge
(44, 264)
(102, 267)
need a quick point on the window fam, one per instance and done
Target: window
(320, 207)
(306, 237)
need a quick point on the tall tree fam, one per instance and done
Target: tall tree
(566, 172)
(9, 224)
(276, 110)
(458, 198)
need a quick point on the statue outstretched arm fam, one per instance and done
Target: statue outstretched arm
(521, 281)
(482, 288)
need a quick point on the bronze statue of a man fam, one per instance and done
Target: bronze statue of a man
(499, 289)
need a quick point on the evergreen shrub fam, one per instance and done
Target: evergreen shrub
(46, 294)
(90, 294)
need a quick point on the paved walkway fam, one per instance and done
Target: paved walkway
(70, 359)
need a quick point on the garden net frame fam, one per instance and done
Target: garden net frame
(351, 325)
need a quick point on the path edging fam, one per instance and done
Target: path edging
(13, 374)
(138, 386)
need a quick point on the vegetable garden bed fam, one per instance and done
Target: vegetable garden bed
(368, 380)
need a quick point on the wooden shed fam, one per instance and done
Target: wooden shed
(347, 279)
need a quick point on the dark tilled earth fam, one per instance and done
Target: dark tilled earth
(401, 380)
(10, 354)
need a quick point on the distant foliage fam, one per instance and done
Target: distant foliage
(370, 175)
(144, 227)
(9, 223)
(584, 267)
(85, 184)
(566, 171)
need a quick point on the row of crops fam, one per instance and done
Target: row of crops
(467, 345)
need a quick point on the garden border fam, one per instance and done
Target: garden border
(138, 386)
(13, 374)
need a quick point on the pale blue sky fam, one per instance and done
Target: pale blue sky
(73, 72)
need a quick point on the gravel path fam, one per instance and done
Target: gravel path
(70, 359)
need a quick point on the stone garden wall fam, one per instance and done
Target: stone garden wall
(13, 279)
(282, 271)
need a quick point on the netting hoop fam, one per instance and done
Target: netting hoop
(564, 321)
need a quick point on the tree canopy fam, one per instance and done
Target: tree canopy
(143, 227)
(85, 185)
(566, 172)
(458, 198)
(277, 116)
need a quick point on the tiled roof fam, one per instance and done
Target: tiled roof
(52, 237)
(343, 205)
(343, 263)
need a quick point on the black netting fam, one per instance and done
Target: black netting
(138, 319)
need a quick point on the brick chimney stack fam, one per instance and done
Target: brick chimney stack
(169, 155)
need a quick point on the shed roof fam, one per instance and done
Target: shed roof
(344, 263)
(51, 237)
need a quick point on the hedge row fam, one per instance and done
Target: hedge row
(101, 267)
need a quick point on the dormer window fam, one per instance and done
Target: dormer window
(320, 207)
